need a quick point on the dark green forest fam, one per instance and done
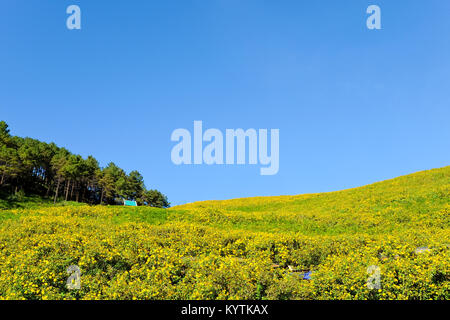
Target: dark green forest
(32, 167)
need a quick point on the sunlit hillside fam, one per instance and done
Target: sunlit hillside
(419, 200)
(388, 240)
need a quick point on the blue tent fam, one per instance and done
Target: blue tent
(307, 275)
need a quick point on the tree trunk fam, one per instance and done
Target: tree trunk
(48, 190)
(67, 189)
(49, 186)
(101, 197)
(3, 178)
(57, 189)
(71, 191)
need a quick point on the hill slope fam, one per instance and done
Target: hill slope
(239, 249)
(422, 198)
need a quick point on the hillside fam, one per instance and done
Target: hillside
(414, 200)
(253, 248)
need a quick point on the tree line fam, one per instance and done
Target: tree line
(34, 167)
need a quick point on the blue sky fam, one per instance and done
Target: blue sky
(353, 106)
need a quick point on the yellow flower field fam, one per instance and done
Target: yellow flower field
(256, 248)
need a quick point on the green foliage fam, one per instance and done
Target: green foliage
(34, 167)
(154, 198)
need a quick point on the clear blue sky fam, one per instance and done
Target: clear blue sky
(353, 106)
